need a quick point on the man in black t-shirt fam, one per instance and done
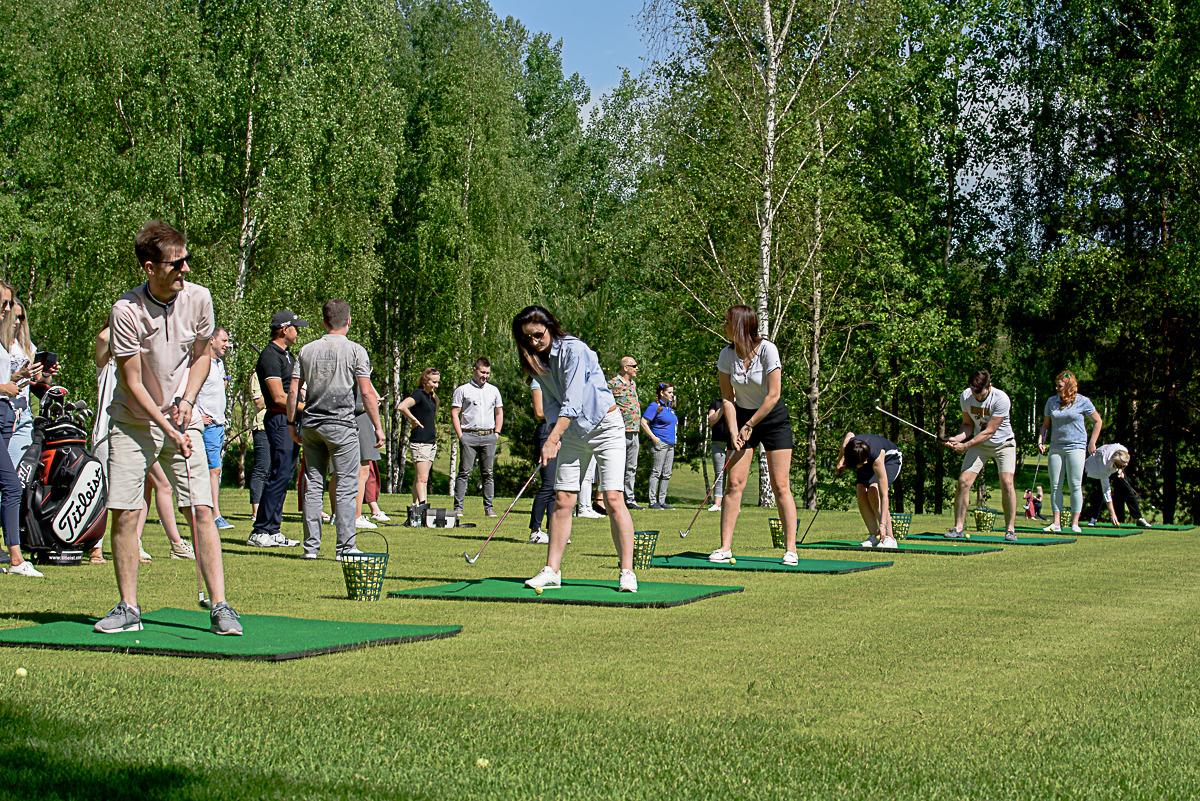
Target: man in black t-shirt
(876, 462)
(275, 365)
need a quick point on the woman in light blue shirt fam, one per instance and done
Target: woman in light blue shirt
(1064, 421)
(585, 423)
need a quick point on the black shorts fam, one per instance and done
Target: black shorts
(892, 463)
(773, 432)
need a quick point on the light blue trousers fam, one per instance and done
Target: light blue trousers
(1072, 460)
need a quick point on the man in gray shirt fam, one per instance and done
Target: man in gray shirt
(477, 413)
(334, 371)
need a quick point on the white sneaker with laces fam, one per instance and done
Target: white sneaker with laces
(380, 517)
(547, 578)
(261, 539)
(791, 558)
(1144, 523)
(889, 542)
(182, 550)
(870, 542)
(587, 511)
(716, 507)
(27, 569)
(627, 582)
(720, 555)
(539, 537)
(1075, 529)
(362, 521)
(282, 541)
(1055, 527)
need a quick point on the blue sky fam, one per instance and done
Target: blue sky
(598, 38)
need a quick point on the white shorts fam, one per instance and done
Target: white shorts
(1005, 455)
(606, 442)
(133, 447)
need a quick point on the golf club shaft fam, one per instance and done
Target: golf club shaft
(195, 526)
(711, 490)
(810, 525)
(910, 425)
(500, 522)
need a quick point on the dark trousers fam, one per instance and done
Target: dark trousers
(284, 454)
(262, 466)
(1123, 495)
(543, 502)
(10, 485)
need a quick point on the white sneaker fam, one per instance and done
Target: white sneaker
(330, 520)
(628, 582)
(720, 556)
(791, 558)
(1055, 527)
(870, 542)
(548, 579)
(889, 542)
(27, 569)
(261, 539)
(182, 550)
(283, 542)
(1144, 523)
(310, 555)
(364, 522)
(380, 517)
(1076, 529)
(714, 508)
(142, 555)
(539, 537)
(587, 511)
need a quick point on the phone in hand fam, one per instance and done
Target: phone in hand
(47, 359)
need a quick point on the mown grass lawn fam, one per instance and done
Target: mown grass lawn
(1055, 672)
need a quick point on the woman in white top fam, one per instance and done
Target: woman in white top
(20, 354)
(751, 376)
(11, 385)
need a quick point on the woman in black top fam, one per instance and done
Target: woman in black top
(421, 409)
(876, 462)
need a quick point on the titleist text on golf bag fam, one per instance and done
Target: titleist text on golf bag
(66, 493)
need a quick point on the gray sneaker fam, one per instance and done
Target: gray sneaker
(224, 620)
(1010, 536)
(953, 534)
(123, 617)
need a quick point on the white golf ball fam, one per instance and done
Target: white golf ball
(22, 672)
(481, 763)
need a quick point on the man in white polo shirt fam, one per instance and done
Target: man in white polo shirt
(986, 433)
(160, 332)
(477, 413)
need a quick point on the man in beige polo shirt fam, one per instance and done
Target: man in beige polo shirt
(159, 337)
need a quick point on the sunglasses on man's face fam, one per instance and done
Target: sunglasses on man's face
(178, 263)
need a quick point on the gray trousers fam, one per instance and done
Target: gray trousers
(631, 455)
(719, 454)
(324, 446)
(482, 446)
(660, 471)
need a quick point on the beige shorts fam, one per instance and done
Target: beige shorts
(422, 451)
(133, 447)
(1005, 455)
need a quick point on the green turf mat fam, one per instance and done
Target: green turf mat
(582, 592)
(766, 563)
(179, 632)
(1158, 527)
(993, 539)
(905, 547)
(1087, 531)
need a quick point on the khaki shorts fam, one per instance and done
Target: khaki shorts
(133, 447)
(1005, 455)
(422, 451)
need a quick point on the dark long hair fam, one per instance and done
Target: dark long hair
(531, 361)
(743, 329)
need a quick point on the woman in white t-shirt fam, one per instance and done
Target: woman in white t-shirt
(751, 376)
(20, 354)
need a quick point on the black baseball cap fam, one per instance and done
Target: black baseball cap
(284, 318)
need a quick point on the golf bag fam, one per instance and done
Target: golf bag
(65, 502)
(439, 518)
(416, 514)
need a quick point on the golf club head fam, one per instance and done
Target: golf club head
(204, 603)
(467, 556)
(682, 533)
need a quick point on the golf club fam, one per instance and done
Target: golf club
(879, 408)
(200, 599)
(500, 522)
(809, 528)
(711, 490)
(1033, 485)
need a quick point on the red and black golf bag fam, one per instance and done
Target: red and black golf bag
(65, 502)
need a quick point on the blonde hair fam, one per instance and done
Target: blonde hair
(1121, 458)
(21, 332)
